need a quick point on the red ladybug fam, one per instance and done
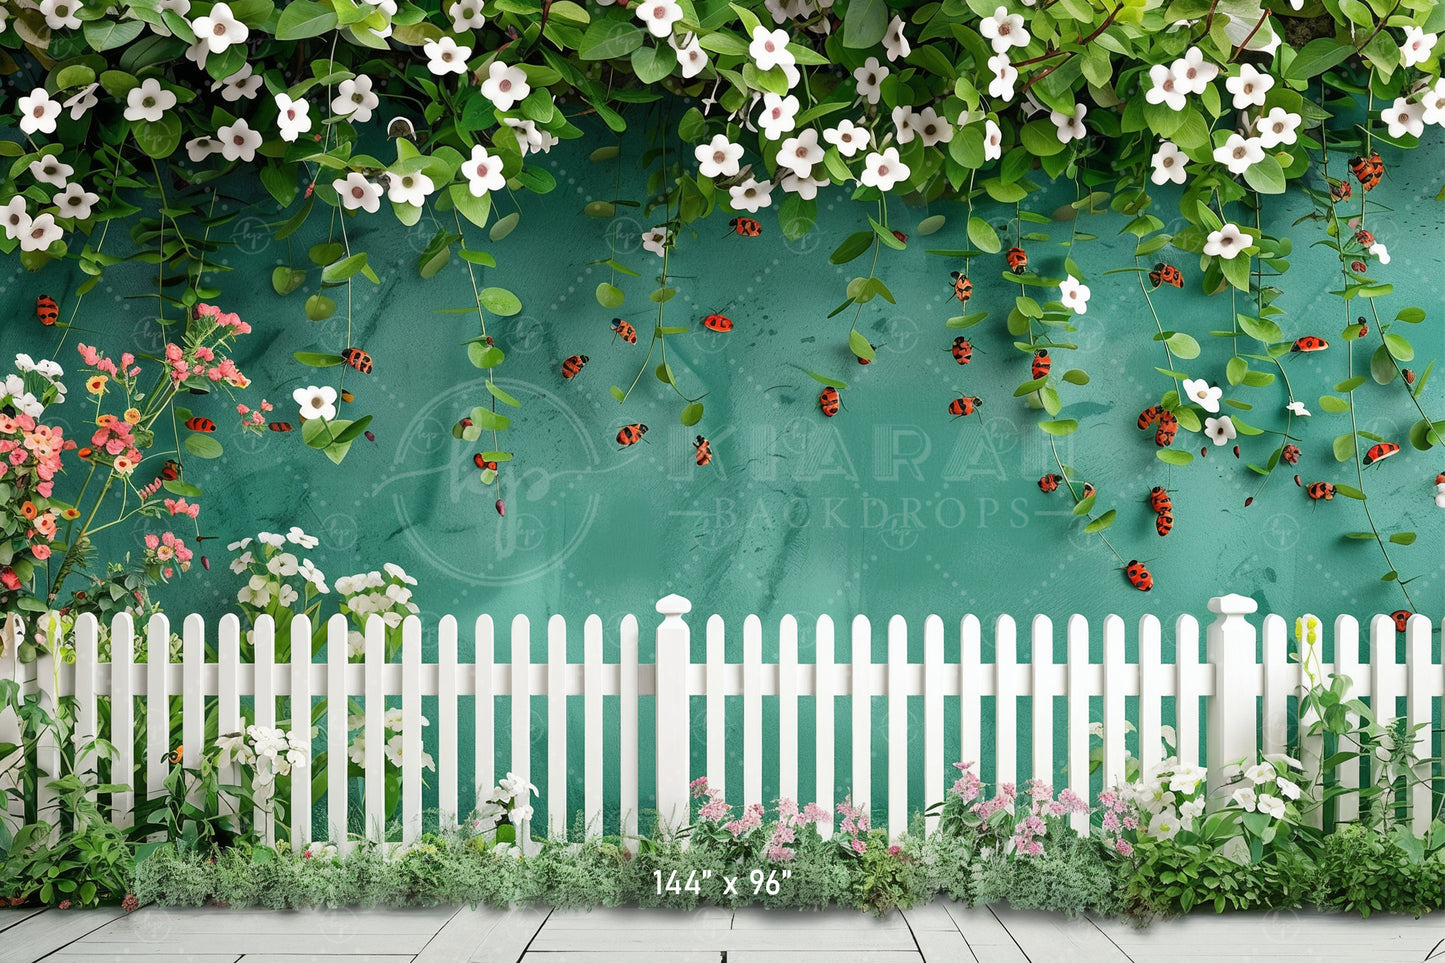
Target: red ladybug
(704, 450)
(1380, 452)
(1049, 483)
(828, 401)
(1290, 453)
(902, 238)
(1364, 326)
(1164, 523)
(1139, 576)
(280, 426)
(716, 322)
(171, 470)
(745, 227)
(624, 330)
(1149, 416)
(1408, 374)
(574, 364)
(1309, 343)
(962, 350)
(1168, 428)
(1016, 259)
(1042, 364)
(482, 463)
(1159, 500)
(631, 434)
(358, 359)
(1166, 274)
(1401, 617)
(1088, 490)
(1319, 490)
(964, 406)
(1368, 170)
(962, 287)
(1340, 190)
(1364, 237)
(197, 423)
(47, 310)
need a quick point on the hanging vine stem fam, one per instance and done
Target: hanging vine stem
(873, 268)
(482, 319)
(1289, 389)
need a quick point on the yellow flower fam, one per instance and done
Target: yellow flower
(123, 465)
(96, 385)
(132, 416)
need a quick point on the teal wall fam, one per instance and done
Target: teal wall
(892, 507)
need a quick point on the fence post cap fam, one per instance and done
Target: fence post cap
(673, 606)
(1233, 604)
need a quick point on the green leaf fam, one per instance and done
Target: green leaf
(302, 19)
(852, 246)
(319, 307)
(503, 397)
(886, 236)
(1344, 447)
(285, 280)
(1101, 523)
(1382, 368)
(159, 138)
(504, 226)
(982, 235)
(1265, 176)
(1400, 349)
(692, 414)
(609, 296)
(489, 420)
(484, 356)
(1085, 505)
(177, 487)
(617, 393)
(651, 64)
(203, 446)
(934, 223)
(1041, 138)
(864, 23)
(500, 301)
(662, 295)
(1171, 456)
(1350, 384)
(859, 345)
(1183, 345)
(609, 40)
(1262, 330)
(1403, 538)
(796, 216)
(343, 269)
(107, 34)
(1316, 57)
(1060, 427)
(351, 432)
(312, 359)
(1334, 404)
(1350, 491)
(824, 380)
(1411, 315)
(1076, 376)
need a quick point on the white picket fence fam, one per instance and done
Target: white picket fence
(1234, 683)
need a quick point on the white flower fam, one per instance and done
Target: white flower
(869, 76)
(800, 153)
(483, 172)
(1226, 242)
(283, 564)
(1190, 811)
(198, 52)
(446, 56)
(233, 747)
(750, 195)
(1249, 87)
(1272, 805)
(1165, 825)
(220, 29)
(1297, 408)
(769, 48)
(894, 41)
(659, 16)
(49, 170)
(778, 114)
(17, 222)
(1432, 102)
(903, 123)
(75, 201)
(1287, 788)
(1071, 126)
(1220, 429)
(314, 403)
(60, 14)
(1403, 118)
(691, 58)
(1380, 252)
(38, 112)
(1238, 153)
(1417, 46)
(884, 170)
(312, 574)
(1192, 73)
(411, 189)
(1168, 163)
(1096, 729)
(804, 187)
(1278, 127)
(357, 750)
(655, 240)
(932, 129)
(1203, 394)
(240, 563)
(1165, 88)
(1074, 294)
(719, 157)
(1005, 75)
(1004, 30)
(271, 538)
(150, 100)
(399, 573)
(992, 140)
(238, 141)
(355, 647)
(200, 148)
(848, 137)
(286, 595)
(529, 138)
(242, 83)
(43, 232)
(297, 536)
(82, 100)
(293, 117)
(505, 85)
(467, 15)
(1246, 798)
(355, 99)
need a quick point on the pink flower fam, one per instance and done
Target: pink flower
(858, 845)
(152, 542)
(715, 811)
(698, 787)
(780, 854)
(41, 551)
(1130, 822)
(88, 354)
(813, 813)
(893, 850)
(1111, 821)
(173, 353)
(1123, 848)
(9, 579)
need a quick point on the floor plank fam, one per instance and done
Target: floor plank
(178, 956)
(797, 956)
(153, 921)
(485, 935)
(929, 916)
(1058, 939)
(780, 937)
(298, 958)
(39, 935)
(647, 917)
(9, 917)
(597, 956)
(938, 938)
(833, 920)
(985, 935)
(261, 941)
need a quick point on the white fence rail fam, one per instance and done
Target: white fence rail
(1247, 688)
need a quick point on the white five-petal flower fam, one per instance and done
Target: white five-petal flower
(1192, 73)
(49, 170)
(1403, 117)
(719, 157)
(848, 137)
(1417, 47)
(655, 240)
(75, 201)
(691, 58)
(1220, 429)
(149, 101)
(483, 172)
(505, 85)
(239, 141)
(1005, 75)
(1238, 153)
(1004, 30)
(1164, 88)
(769, 48)
(82, 100)
(316, 402)
(1074, 294)
(1070, 126)
(42, 233)
(38, 112)
(1249, 88)
(1226, 242)
(446, 56)
(1203, 394)
(1168, 162)
(658, 16)
(777, 116)
(293, 116)
(355, 99)
(60, 14)
(356, 191)
(895, 41)
(751, 195)
(869, 77)
(1278, 127)
(466, 15)
(799, 154)
(992, 140)
(884, 170)
(220, 29)
(413, 188)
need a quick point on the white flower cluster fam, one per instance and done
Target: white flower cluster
(1268, 788)
(276, 565)
(395, 754)
(1171, 795)
(385, 593)
(32, 396)
(273, 752)
(511, 796)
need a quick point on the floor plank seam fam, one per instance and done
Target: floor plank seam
(540, 926)
(440, 930)
(1022, 952)
(73, 941)
(911, 935)
(1122, 952)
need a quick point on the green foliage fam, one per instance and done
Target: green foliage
(1073, 876)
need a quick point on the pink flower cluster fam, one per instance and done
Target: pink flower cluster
(178, 506)
(167, 548)
(253, 419)
(31, 449)
(229, 320)
(198, 365)
(967, 785)
(95, 359)
(1115, 806)
(116, 437)
(790, 820)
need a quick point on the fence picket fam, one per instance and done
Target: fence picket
(264, 686)
(338, 734)
(1079, 737)
(1152, 673)
(122, 719)
(826, 688)
(897, 727)
(1115, 681)
(373, 729)
(1274, 720)
(627, 764)
(521, 761)
(559, 813)
(228, 697)
(716, 710)
(788, 708)
(1347, 663)
(448, 804)
(592, 723)
(300, 722)
(1189, 683)
(484, 751)
(1005, 703)
(934, 765)
(1424, 675)
(752, 710)
(970, 688)
(1382, 662)
(411, 744)
(87, 723)
(158, 713)
(193, 706)
(860, 689)
(12, 634)
(1042, 698)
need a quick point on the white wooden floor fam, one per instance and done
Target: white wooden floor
(941, 932)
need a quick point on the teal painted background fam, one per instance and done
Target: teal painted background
(892, 507)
